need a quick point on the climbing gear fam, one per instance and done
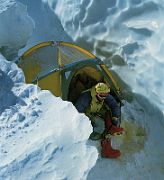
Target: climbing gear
(102, 88)
(95, 104)
(107, 150)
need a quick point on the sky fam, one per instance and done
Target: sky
(52, 142)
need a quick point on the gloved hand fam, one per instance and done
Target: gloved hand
(116, 121)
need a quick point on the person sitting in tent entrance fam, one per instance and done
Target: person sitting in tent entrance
(96, 101)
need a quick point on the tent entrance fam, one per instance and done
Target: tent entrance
(82, 80)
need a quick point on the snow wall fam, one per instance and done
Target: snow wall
(41, 136)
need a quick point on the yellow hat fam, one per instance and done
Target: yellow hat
(102, 88)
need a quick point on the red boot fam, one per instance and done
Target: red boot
(111, 128)
(115, 130)
(107, 150)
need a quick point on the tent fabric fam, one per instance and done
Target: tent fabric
(40, 62)
(51, 82)
(56, 65)
(47, 57)
(84, 79)
(72, 53)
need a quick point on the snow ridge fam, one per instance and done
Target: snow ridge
(41, 136)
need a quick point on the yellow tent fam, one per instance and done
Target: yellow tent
(65, 69)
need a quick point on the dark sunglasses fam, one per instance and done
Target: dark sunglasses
(102, 96)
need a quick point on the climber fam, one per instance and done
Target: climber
(98, 101)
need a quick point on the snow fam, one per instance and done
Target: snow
(43, 137)
(129, 29)
(16, 27)
(47, 25)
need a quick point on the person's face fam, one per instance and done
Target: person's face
(102, 96)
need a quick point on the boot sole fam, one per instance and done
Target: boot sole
(111, 157)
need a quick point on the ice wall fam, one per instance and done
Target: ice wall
(47, 24)
(15, 27)
(127, 35)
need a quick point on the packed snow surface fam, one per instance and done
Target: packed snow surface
(43, 137)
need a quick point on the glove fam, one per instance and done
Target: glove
(116, 121)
